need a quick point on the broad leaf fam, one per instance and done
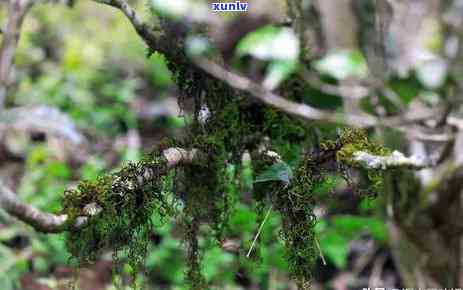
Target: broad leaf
(343, 64)
(277, 172)
(280, 46)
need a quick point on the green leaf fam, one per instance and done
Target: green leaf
(215, 260)
(278, 71)
(352, 226)
(335, 237)
(270, 43)
(41, 264)
(242, 220)
(406, 89)
(278, 45)
(277, 172)
(159, 73)
(335, 247)
(58, 169)
(343, 64)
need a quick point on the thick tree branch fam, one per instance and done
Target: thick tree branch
(51, 223)
(43, 222)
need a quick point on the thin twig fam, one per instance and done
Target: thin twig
(237, 81)
(317, 243)
(259, 231)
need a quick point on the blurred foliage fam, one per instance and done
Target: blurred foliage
(343, 64)
(337, 233)
(280, 46)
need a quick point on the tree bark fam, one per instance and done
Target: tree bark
(17, 9)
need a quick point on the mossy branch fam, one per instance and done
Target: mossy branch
(164, 45)
(395, 160)
(52, 223)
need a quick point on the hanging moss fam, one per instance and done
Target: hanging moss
(296, 205)
(226, 124)
(193, 275)
(122, 204)
(237, 123)
(296, 202)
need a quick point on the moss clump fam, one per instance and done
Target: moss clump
(205, 202)
(296, 205)
(235, 124)
(354, 140)
(296, 202)
(123, 203)
(193, 275)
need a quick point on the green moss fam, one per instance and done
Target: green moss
(296, 202)
(193, 275)
(236, 124)
(126, 201)
(354, 140)
(296, 205)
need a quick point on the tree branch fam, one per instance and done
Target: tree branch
(267, 97)
(395, 160)
(51, 223)
(143, 30)
(16, 11)
(43, 222)
(236, 81)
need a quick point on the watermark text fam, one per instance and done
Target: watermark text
(236, 6)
